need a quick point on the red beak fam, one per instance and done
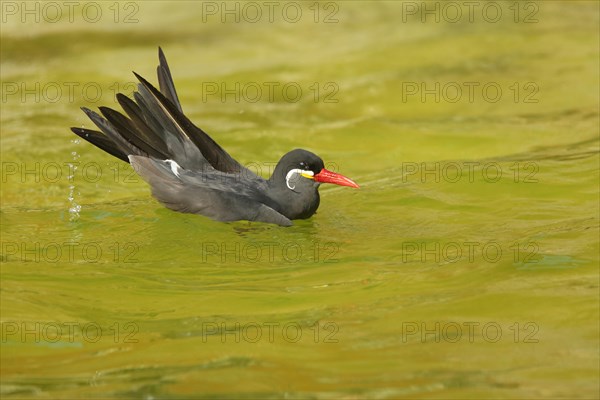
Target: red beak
(326, 176)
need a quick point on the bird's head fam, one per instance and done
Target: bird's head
(300, 168)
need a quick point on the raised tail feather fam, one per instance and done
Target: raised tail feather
(155, 127)
(165, 80)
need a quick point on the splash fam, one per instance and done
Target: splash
(74, 208)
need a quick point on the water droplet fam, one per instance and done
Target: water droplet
(74, 208)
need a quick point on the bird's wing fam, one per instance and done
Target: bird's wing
(220, 196)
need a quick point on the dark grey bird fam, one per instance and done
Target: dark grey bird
(189, 172)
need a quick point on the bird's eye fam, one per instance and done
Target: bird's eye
(304, 166)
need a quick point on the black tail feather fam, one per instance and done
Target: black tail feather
(156, 127)
(121, 142)
(139, 120)
(99, 140)
(149, 118)
(128, 130)
(212, 152)
(156, 110)
(165, 80)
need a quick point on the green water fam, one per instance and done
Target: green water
(466, 266)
